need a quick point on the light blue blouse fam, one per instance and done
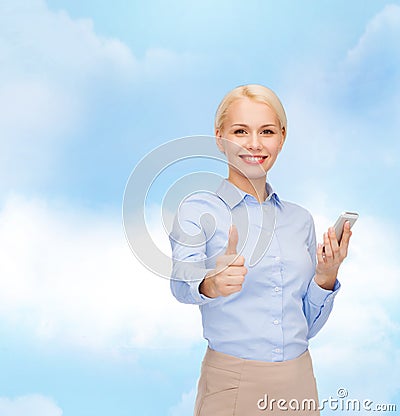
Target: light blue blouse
(280, 307)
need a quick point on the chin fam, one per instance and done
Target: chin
(251, 174)
(259, 176)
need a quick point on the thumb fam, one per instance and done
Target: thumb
(232, 240)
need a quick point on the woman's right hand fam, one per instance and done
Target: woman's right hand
(228, 275)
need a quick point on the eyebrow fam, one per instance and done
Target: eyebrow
(245, 125)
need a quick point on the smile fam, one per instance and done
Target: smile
(253, 160)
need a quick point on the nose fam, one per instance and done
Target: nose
(254, 142)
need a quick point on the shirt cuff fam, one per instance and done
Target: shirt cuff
(318, 295)
(194, 288)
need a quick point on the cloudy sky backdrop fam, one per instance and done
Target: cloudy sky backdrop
(87, 89)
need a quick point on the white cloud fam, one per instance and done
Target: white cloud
(40, 42)
(185, 406)
(49, 61)
(380, 39)
(70, 277)
(54, 70)
(31, 405)
(371, 70)
(347, 114)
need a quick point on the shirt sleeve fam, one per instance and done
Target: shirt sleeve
(318, 302)
(188, 243)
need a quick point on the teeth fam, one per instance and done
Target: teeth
(253, 158)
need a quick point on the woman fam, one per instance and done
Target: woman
(259, 306)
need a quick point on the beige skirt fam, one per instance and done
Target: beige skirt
(231, 386)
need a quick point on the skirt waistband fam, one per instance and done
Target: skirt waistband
(232, 363)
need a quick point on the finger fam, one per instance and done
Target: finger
(333, 241)
(327, 246)
(234, 280)
(229, 281)
(346, 235)
(320, 253)
(229, 261)
(236, 271)
(230, 290)
(234, 260)
(232, 240)
(344, 244)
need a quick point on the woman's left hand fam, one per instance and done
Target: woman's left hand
(330, 258)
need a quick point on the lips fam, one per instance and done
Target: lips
(253, 159)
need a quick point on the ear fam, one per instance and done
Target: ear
(219, 140)
(283, 138)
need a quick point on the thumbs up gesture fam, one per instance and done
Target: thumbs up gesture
(228, 275)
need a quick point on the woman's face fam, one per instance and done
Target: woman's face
(254, 138)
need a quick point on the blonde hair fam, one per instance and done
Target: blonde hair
(255, 92)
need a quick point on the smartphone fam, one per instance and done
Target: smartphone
(339, 224)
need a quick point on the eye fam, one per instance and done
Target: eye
(267, 131)
(239, 131)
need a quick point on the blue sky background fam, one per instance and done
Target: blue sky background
(89, 88)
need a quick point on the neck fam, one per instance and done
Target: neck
(255, 187)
